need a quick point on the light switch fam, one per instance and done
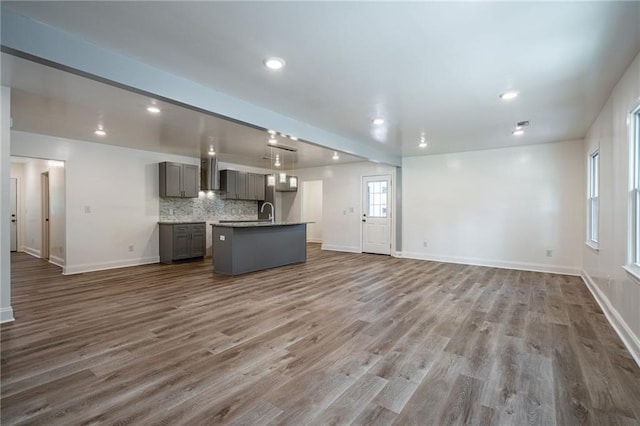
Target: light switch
(222, 237)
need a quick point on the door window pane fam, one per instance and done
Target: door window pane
(377, 199)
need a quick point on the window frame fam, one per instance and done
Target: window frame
(593, 199)
(633, 228)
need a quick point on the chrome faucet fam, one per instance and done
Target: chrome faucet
(271, 215)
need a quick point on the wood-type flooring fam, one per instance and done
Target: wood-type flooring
(342, 339)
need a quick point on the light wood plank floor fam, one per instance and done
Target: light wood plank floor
(342, 339)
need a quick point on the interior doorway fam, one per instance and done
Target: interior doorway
(44, 252)
(376, 214)
(312, 209)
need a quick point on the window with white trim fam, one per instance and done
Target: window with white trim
(634, 189)
(592, 198)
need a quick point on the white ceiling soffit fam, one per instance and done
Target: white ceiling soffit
(49, 101)
(432, 68)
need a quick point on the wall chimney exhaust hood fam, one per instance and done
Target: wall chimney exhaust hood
(209, 174)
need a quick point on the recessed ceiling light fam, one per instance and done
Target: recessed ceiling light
(100, 131)
(211, 150)
(153, 109)
(274, 63)
(508, 95)
(335, 156)
(378, 121)
(518, 132)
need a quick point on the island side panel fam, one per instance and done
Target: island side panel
(222, 248)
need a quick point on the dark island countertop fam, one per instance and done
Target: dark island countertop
(255, 224)
(180, 222)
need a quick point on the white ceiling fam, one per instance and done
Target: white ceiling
(434, 67)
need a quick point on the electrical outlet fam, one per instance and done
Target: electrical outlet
(170, 212)
(87, 209)
(549, 253)
(131, 247)
(350, 209)
(222, 237)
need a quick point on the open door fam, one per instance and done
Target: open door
(376, 216)
(44, 250)
(14, 214)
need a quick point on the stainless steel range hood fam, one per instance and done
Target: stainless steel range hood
(209, 174)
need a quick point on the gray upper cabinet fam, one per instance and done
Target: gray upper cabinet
(178, 180)
(242, 186)
(259, 184)
(228, 183)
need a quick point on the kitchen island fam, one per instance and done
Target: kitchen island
(241, 247)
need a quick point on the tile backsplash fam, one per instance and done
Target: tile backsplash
(208, 207)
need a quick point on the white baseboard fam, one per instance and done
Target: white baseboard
(58, 261)
(396, 254)
(6, 315)
(504, 264)
(348, 249)
(33, 252)
(92, 267)
(627, 336)
(314, 240)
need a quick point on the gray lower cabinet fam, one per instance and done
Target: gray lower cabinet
(180, 241)
(179, 180)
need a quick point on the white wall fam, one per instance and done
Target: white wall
(57, 213)
(616, 290)
(502, 207)
(111, 199)
(32, 219)
(311, 208)
(6, 312)
(342, 202)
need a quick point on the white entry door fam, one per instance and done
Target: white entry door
(376, 214)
